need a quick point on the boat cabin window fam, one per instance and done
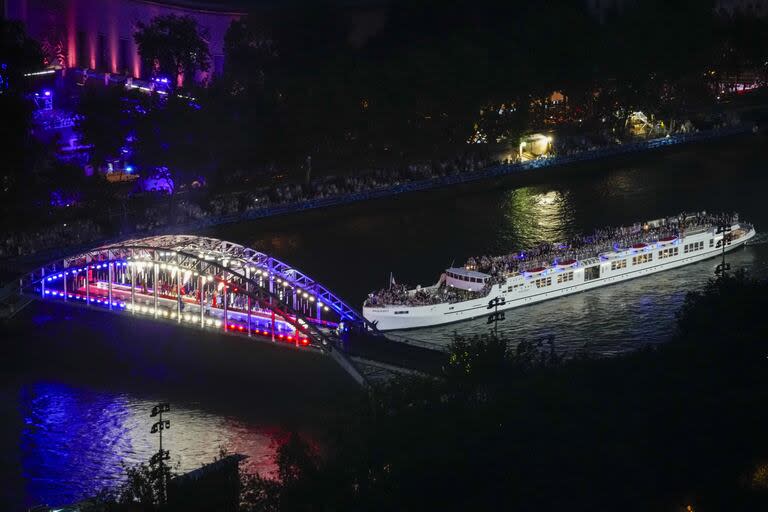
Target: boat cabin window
(618, 264)
(465, 278)
(668, 253)
(642, 258)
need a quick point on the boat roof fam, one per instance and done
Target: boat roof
(468, 273)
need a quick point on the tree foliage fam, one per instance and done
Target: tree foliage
(18, 54)
(518, 429)
(173, 45)
(417, 86)
(105, 122)
(173, 133)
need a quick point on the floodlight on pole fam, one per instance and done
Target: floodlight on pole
(723, 228)
(497, 316)
(162, 455)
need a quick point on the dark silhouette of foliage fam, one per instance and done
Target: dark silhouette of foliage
(18, 54)
(173, 45)
(104, 122)
(519, 429)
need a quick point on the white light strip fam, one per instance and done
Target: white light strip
(37, 73)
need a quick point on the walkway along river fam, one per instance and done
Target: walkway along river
(461, 178)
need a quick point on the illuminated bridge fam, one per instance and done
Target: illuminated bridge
(205, 283)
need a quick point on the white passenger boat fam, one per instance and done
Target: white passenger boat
(554, 270)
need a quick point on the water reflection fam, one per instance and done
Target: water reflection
(535, 214)
(75, 440)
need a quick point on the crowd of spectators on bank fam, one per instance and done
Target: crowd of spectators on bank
(61, 235)
(371, 180)
(145, 219)
(336, 186)
(242, 202)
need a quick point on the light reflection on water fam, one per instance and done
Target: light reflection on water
(77, 406)
(75, 441)
(532, 216)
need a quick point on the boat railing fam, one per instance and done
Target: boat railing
(697, 230)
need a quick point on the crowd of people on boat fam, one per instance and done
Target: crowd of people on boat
(398, 294)
(590, 246)
(547, 254)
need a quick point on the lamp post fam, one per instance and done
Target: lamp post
(161, 456)
(497, 316)
(723, 228)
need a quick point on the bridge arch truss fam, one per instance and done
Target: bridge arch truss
(199, 280)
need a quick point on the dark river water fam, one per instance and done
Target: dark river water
(77, 387)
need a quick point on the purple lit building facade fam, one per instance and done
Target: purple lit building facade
(98, 34)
